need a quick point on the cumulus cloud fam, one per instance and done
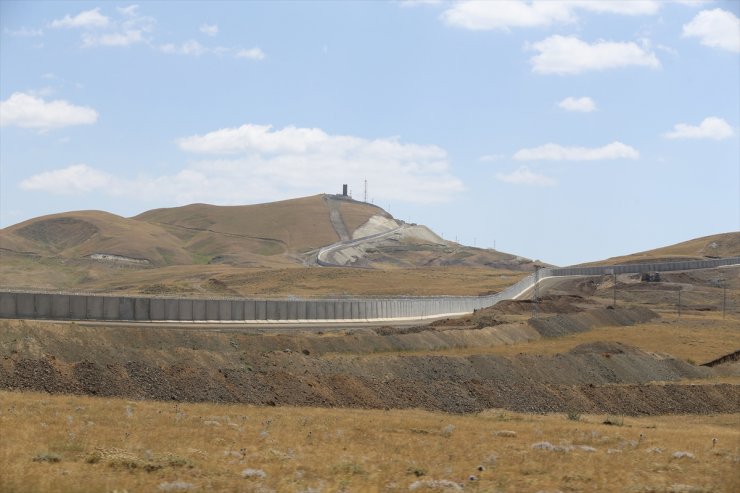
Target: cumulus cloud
(255, 163)
(75, 179)
(715, 28)
(524, 176)
(710, 128)
(556, 152)
(568, 55)
(583, 105)
(100, 30)
(85, 20)
(30, 111)
(209, 29)
(480, 15)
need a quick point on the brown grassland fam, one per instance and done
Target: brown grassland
(80, 444)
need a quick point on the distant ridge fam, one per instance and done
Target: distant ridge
(721, 245)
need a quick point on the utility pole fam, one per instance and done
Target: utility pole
(724, 298)
(536, 297)
(365, 191)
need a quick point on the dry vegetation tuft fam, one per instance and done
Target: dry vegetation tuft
(69, 443)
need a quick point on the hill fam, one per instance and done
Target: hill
(201, 248)
(722, 245)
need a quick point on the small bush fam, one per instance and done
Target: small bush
(574, 416)
(614, 421)
(47, 457)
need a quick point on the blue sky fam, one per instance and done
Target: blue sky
(562, 131)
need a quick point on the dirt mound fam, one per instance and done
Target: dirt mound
(560, 325)
(546, 304)
(305, 370)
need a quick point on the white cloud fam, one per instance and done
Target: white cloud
(568, 55)
(75, 179)
(416, 3)
(130, 29)
(24, 32)
(556, 152)
(583, 105)
(710, 128)
(124, 38)
(252, 54)
(194, 48)
(715, 28)
(209, 29)
(693, 3)
(505, 14)
(129, 11)
(85, 20)
(266, 164)
(29, 111)
(524, 176)
(191, 47)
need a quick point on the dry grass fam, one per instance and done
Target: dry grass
(243, 281)
(695, 338)
(720, 245)
(107, 445)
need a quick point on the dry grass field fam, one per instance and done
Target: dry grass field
(720, 245)
(694, 338)
(81, 444)
(223, 280)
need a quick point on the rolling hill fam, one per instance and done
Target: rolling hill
(215, 249)
(721, 245)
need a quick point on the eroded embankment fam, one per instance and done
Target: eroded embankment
(326, 370)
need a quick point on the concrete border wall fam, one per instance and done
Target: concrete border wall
(65, 306)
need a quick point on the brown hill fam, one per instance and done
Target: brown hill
(222, 250)
(94, 234)
(722, 245)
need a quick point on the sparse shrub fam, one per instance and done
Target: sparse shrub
(435, 484)
(47, 457)
(447, 430)
(573, 416)
(94, 458)
(416, 471)
(349, 468)
(683, 455)
(505, 433)
(254, 473)
(614, 421)
(176, 486)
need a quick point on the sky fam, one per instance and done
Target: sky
(560, 131)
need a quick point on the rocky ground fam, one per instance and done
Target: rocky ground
(386, 367)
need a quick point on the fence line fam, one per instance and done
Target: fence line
(100, 307)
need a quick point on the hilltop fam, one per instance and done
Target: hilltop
(202, 248)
